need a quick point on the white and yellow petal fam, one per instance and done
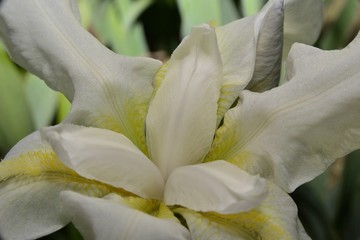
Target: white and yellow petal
(106, 156)
(290, 134)
(113, 219)
(181, 121)
(214, 187)
(31, 178)
(244, 50)
(275, 218)
(107, 90)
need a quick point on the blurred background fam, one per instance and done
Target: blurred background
(329, 206)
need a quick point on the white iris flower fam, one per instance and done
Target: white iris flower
(189, 149)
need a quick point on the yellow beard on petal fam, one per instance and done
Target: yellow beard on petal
(152, 207)
(112, 123)
(253, 224)
(43, 165)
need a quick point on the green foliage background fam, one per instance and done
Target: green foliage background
(329, 206)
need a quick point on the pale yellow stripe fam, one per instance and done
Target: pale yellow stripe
(253, 224)
(43, 165)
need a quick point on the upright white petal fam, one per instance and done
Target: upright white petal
(292, 133)
(181, 121)
(269, 47)
(110, 219)
(303, 22)
(106, 156)
(214, 187)
(108, 90)
(245, 48)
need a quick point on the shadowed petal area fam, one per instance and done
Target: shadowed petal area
(216, 186)
(112, 219)
(31, 178)
(275, 218)
(243, 47)
(181, 121)
(106, 156)
(107, 90)
(290, 134)
(269, 48)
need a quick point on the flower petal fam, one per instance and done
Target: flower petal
(106, 156)
(243, 48)
(216, 186)
(181, 121)
(303, 22)
(31, 178)
(292, 133)
(275, 218)
(108, 90)
(269, 48)
(111, 219)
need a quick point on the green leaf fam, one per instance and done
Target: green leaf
(348, 214)
(250, 7)
(129, 11)
(64, 108)
(338, 34)
(15, 116)
(115, 24)
(312, 213)
(317, 201)
(41, 99)
(198, 12)
(68, 232)
(85, 8)
(229, 12)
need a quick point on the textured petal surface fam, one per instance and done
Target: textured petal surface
(182, 116)
(216, 186)
(303, 22)
(269, 48)
(31, 178)
(111, 219)
(106, 156)
(108, 90)
(292, 133)
(275, 218)
(243, 48)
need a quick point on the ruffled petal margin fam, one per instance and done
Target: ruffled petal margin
(292, 133)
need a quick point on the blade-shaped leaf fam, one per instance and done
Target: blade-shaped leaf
(15, 115)
(217, 11)
(131, 10)
(64, 108)
(250, 7)
(343, 27)
(348, 212)
(115, 24)
(41, 99)
(312, 213)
